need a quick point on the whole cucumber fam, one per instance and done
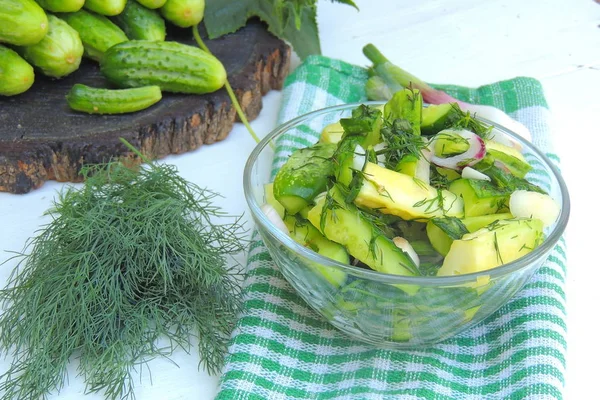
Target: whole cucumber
(112, 101)
(173, 66)
(105, 7)
(97, 32)
(16, 75)
(58, 53)
(183, 13)
(152, 4)
(22, 22)
(140, 23)
(61, 5)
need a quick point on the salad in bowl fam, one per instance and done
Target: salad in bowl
(403, 224)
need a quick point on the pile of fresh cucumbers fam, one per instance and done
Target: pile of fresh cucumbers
(127, 39)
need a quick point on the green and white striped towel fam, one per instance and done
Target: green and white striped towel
(281, 349)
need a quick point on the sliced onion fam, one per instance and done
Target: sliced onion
(526, 204)
(501, 118)
(360, 158)
(404, 245)
(502, 166)
(272, 216)
(501, 138)
(470, 173)
(423, 170)
(380, 157)
(472, 156)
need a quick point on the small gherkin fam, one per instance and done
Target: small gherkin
(61, 5)
(16, 75)
(59, 53)
(183, 13)
(22, 22)
(106, 7)
(141, 23)
(152, 4)
(97, 32)
(173, 66)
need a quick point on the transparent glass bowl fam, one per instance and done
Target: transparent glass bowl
(382, 309)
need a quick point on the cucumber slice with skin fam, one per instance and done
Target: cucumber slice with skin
(343, 224)
(270, 199)
(408, 165)
(303, 176)
(492, 246)
(307, 235)
(408, 105)
(436, 118)
(365, 124)
(332, 133)
(449, 143)
(450, 174)
(443, 231)
(511, 158)
(480, 197)
(398, 194)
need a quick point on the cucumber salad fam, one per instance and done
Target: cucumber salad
(410, 190)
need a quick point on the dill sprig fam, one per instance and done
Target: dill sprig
(133, 256)
(465, 120)
(400, 141)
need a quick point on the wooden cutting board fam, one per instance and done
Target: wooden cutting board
(42, 139)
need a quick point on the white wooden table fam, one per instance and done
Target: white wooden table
(465, 42)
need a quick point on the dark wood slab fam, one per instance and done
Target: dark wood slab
(42, 139)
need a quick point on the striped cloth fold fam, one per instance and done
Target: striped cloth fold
(281, 349)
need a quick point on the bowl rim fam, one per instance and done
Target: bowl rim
(451, 280)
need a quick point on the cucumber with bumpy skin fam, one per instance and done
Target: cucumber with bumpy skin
(22, 22)
(106, 7)
(96, 31)
(152, 4)
(61, 5)
(343, 223)
(112, 101)
(140, 23)
(16, 75)
(304, 176)
(183, 13)
(173, 66)
(59, 53)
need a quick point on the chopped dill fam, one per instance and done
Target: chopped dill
(400, 141)
(497, 247)
(433, 204)
(466, 121)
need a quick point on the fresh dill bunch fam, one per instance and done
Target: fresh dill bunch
(133, 256)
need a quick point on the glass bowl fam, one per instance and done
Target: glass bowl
(382, 309)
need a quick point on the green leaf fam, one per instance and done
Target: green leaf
(347, 2)
(291, 20)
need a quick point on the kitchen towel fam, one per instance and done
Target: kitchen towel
(281, 349)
